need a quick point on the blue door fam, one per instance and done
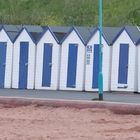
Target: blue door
(123, 64)
(95, 74)
(47, 65)
(72, 65)
(23, 65)
(3, 47)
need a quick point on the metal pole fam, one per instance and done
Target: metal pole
(100, 55)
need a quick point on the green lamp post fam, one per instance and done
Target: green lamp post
(100, 55)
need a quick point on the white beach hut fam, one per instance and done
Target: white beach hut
(24, 57)
(48, 58)
(7, 34)
(138, 46)
(92, 58)
(124, 60)
(72, 69)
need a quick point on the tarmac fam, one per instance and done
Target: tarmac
(113, 97)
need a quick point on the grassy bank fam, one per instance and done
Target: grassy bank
(69, 12)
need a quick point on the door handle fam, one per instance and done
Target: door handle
(50, 64)
(4, 64)
(26, 64)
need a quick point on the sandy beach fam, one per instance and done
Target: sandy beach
(47, 123)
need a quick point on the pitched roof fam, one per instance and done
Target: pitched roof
(110, 33)
(12, 30)
(34, 30)
(82, 32)
(59, 31)
(134, 33)
(138, 28)
(139, 37)
(35, 35)
(0, 26)
(45, 30)
(85, 32)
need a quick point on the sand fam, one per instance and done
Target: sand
(47, 123)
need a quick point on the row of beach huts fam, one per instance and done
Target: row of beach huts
(67, 58)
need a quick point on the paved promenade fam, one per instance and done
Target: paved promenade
(122, 97)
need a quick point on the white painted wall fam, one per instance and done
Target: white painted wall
(24, 37)
(72, 38)
(47, 38)
(106, 64)
(138, 47)
(9, 54)
(123, 39)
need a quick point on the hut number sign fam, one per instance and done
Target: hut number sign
(88, 54)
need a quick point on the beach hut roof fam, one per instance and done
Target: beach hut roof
(133, 33)
(82, 32)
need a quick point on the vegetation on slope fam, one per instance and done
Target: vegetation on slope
(69, 12)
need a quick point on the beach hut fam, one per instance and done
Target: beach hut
(7, 34)
(124, 60)
(72, 69)
(24, 57)
(48, 58)
(92, 59)
(138, 46)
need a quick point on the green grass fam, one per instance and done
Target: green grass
(69, 12)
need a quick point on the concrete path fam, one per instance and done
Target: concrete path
(122, 97)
